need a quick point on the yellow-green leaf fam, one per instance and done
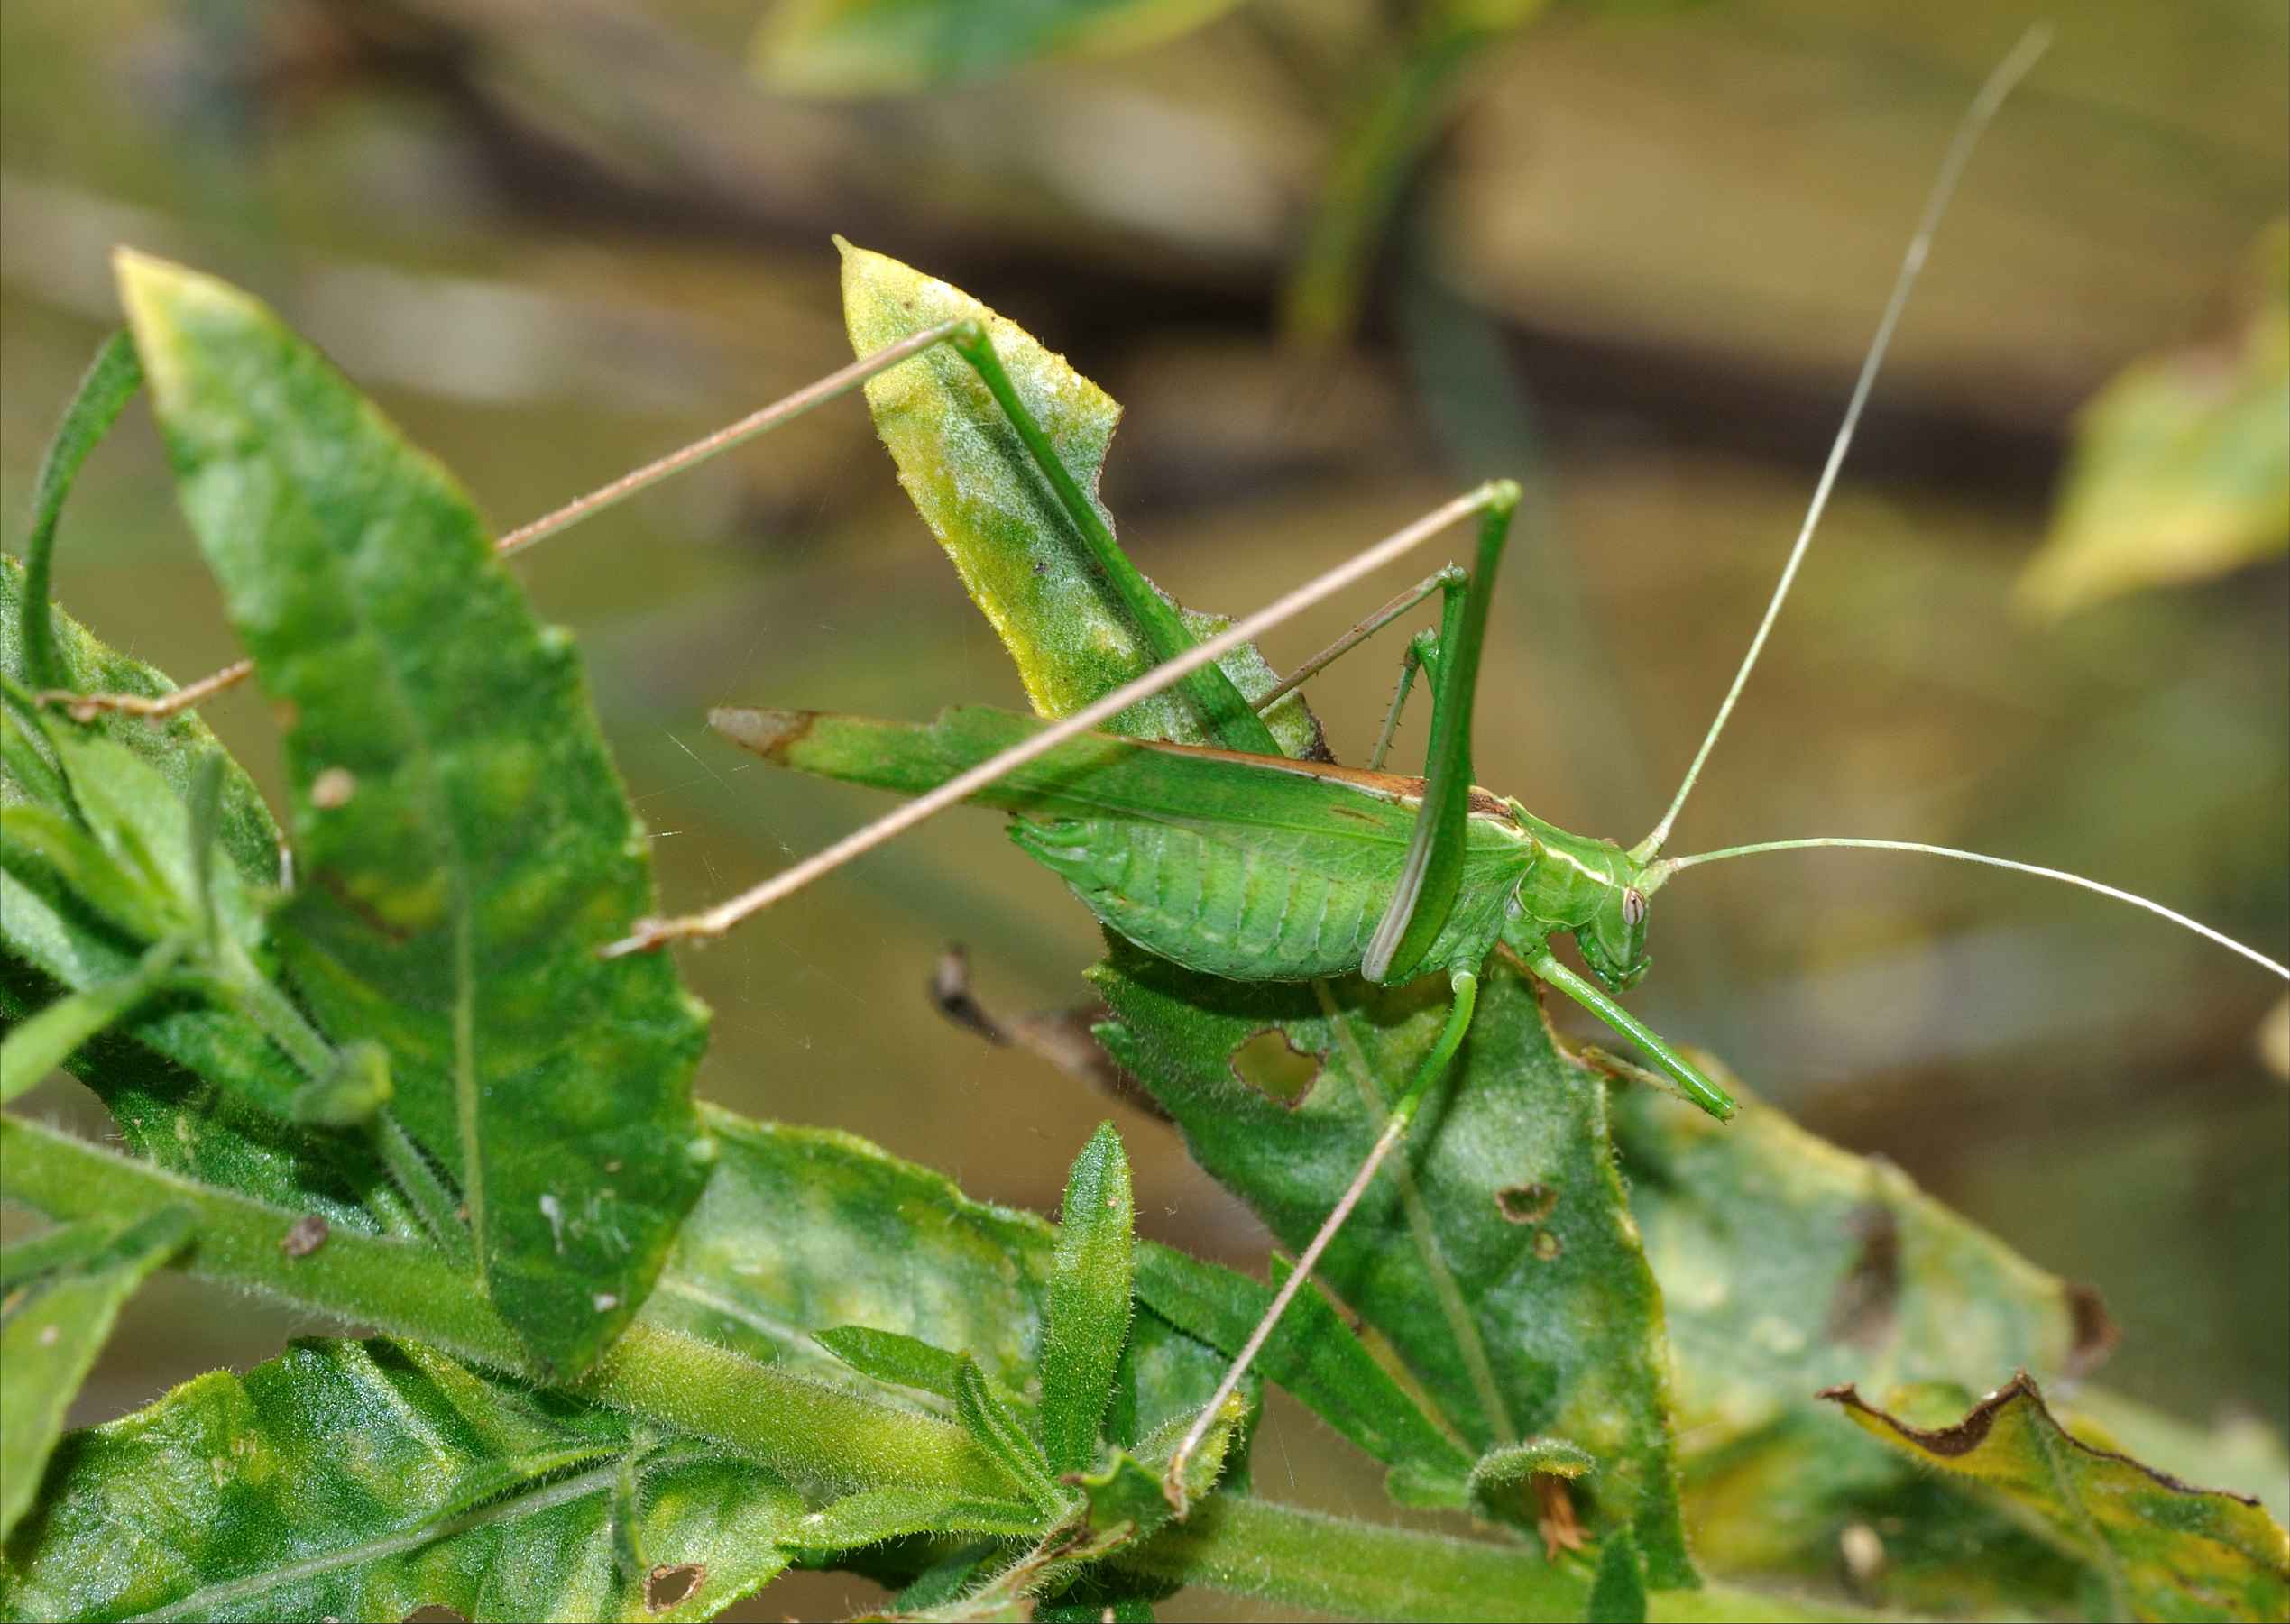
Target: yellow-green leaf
(881, 47)
(2181, 468)
(2164, 1549)
(463, 836)
(984, 497)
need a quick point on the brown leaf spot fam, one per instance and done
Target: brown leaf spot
(667, 1585)
(304, 1236)
(1273, 1067)
(1527, 1203)
(1866, 1301)
(2096, 1332)
(1547, 1245)
(435, 1612)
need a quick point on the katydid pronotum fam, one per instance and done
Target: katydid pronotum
(1388, 876)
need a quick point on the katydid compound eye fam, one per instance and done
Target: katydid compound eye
(1633, 908)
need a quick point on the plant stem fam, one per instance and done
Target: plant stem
(806, 1432)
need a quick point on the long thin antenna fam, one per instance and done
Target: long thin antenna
(2009, 72)
(1662, 871)
(84, 707)
(650, 933)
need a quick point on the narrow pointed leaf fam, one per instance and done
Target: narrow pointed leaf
(985, 499)
(112, 380)
(2161, 1548)
(52, 1327)
(1496, 1255)
(875, 1515)
(1313, 1354)
(1088, 1322)
(464, 839)
(995, 1429)
(803, 1228)
(887, 1356)
(33, 1048)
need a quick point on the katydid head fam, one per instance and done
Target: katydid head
(1594, 889)
(1614, 939)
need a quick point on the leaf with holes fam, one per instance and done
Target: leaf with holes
(464, 842)
(1787, 1265)
(1516, 1323)
(2159, 1548)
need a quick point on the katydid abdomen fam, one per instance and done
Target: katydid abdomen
(1250, 868)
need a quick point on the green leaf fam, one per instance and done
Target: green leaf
(146, 823)
(2162, 1548)
(1496, 1255)
(883, 47)
(1788, 1265)
(112, 381)
(1618, 1595)
(876, 1515)
(887, 1356)
(367, 1480)
(37, 846)
(58, 1311)
(983, 496)
(1087, 1320)
(465, 843)
(1510, 1466)
(35, 1047)
(179, 1091)
(805, 1230)
(998, 1431)
(1315, 1355)
(2180, 464)
(175, 747)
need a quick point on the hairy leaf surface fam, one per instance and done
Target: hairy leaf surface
(56, 1314)
(367, 1480)
(463, 836)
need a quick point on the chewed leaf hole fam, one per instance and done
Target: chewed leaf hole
(1527, 1203)
(1272, 1066)
(667, 1586)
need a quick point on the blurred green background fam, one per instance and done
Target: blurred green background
(1630, 257)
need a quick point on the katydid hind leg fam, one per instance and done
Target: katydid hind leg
(1465, 984)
